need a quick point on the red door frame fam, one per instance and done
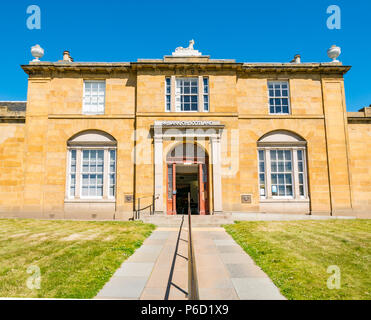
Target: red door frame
(171, 201)
(203, 192)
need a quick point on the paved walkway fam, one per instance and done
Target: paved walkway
(159, 269)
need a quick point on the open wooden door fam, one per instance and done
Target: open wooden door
(171, 192)
(203, 187)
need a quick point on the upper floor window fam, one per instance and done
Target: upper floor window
(94, 97)
(168, 94)
(278, 97)
(186, 94)
(206, 93)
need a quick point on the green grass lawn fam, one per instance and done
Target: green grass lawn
(75, 258)
(296, 255)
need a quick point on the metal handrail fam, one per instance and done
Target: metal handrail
(139, 209)
(192, 271)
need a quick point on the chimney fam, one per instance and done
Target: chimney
(66, 56)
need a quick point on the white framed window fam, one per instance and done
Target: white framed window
(94, 97)
(72, 174)
(301, 173)
(282, 166)
(91, 167)
(112, 173)
(281, 173)
(206, 93)
(262, 182)
(278, 92)
(92, 173)
(168, 94)
(186, 94)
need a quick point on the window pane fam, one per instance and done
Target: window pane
(281, 190)
(300, 155)
(85, 155)
(99, 191)
(288, 190)
(288, 166)
(274, 166)
(261, 155)
(280, 154)
(288, 179)
(273, 154)
(301, 178)
(85, 180)
(300, 167)
(261, 167)
(274, 179)
(262, 178)
(274, 190)
(287, 154)
(301, 190)
(92, 191)
(85, 191)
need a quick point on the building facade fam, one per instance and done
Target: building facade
(93, 138)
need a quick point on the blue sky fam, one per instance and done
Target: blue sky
(248, 31)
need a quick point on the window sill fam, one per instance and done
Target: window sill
(90, 200)
(284, 200)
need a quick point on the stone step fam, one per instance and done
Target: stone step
(197, 221)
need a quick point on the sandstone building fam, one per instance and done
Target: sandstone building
(93, 138)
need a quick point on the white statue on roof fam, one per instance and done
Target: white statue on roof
(187, 52)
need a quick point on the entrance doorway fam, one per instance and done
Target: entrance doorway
(187, 182)
(187, 172)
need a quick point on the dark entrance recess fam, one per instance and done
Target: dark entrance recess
(187, 172)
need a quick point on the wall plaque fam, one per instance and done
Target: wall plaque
(129, 198)
(246, 198)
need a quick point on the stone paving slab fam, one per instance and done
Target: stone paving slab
(159, 269)
(256, 289)
(123, 287)
(225, 243)
(135, 269)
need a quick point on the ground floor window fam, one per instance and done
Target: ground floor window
(282, 173)
(92, 173)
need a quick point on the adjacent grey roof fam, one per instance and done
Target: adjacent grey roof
(14, 106)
